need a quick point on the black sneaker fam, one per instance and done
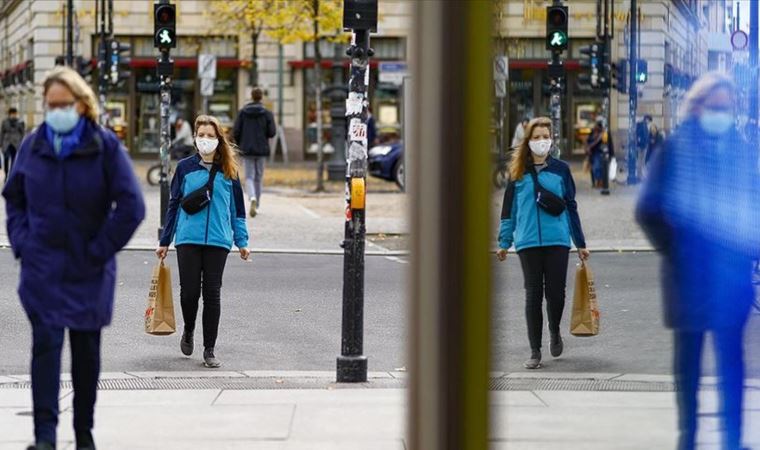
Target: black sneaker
(535, 360)
(84, 440)
(209, 360)
(556, 345)
(186, 343)
(41, 446)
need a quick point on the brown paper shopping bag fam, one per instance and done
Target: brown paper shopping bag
(159, 316)
(585, 318)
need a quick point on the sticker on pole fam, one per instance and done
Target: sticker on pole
(357, 131)
(207, 87)
(354, 104)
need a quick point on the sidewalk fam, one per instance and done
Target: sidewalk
(307, 411)
(294, 219)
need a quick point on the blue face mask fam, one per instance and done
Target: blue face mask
(62, 120)
(716, 123)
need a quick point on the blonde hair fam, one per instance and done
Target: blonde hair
(225, 152)
(521, 156)
(702, 88)
(79, 88)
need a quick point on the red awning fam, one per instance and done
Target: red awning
(326, 64)
(185, 62)
(570, 64)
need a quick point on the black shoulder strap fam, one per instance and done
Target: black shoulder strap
(211, 177)
(533, 175)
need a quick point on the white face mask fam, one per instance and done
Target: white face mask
(206, 146)
(541, 147)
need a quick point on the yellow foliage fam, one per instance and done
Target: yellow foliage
(285, 21)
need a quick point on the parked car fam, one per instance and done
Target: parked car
(387, 162)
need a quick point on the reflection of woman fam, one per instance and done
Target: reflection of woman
(699, 206)
(72, 202)
(542, 239)
(204, 239)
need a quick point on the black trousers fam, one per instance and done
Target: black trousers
(545, 273)
(9, 154)
(201, 268)
(47, 343)
(687, 368)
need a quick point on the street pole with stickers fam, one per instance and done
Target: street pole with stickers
(164, 39)
(360, 17)
(556, 42)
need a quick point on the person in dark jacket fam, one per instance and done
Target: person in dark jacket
(12, 132)
(254, 127)
(542, 240)
(72, 203)
(698, 206)
(205, 238)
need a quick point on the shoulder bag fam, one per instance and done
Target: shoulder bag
(546, 199)
(197, 200)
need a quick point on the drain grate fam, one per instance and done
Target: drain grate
(556, 384)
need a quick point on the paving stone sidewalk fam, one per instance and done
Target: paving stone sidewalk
(368, 417)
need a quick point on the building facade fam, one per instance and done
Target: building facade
(32, 35)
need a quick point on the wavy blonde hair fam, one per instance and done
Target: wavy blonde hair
(71, 80)
(702, 88)
(225, 152)
(521, 157)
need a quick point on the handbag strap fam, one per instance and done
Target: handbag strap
(211, 177)
(534, 175)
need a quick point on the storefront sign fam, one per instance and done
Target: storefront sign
(392, 72)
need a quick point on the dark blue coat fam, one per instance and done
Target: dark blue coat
(67, 218)
(699, 206)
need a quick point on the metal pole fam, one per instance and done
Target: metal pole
(110, 18)
(352, 364)
(555, 107)
(70, 33)
(753, 48)
(632, 97)
(606, 101)
(102, 86)
(165, 86)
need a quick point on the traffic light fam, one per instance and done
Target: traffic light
(556, 28)
(164, 26)
(117, 60)
(593, 58)
(620, 75)
(84, 67)
(642, 73)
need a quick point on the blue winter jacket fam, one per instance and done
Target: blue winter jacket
(527, 225)
(220, 224)
(67, 218)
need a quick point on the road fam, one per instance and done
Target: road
(283, 312)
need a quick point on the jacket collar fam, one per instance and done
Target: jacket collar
(92, 144)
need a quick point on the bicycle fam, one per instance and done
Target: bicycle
(175, 154)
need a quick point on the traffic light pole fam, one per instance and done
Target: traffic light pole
(165, 72)
(606, 100)
(555, 107)
(352, 364)
(632, 97)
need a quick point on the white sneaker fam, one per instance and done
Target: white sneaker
(252, 209)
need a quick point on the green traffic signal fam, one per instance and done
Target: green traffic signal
(558, 39)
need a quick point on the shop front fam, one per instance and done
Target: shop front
(385, 97)
(133, 107)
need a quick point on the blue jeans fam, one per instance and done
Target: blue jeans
(597, 167)
(730, 367)
(47, 343)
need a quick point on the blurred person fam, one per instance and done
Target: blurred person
(371, 129)
(72, 202)
(12, 132)
(542, 240)
(182, 144)
(699, 208)
(520, 132)
(204, 239)
(643, 141)
(254, 127)
(595, 153)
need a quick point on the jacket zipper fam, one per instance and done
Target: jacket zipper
(538, 216)
(208, 218)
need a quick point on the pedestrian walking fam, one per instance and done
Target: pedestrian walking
(520, 132)
(643, 142)
(595, 154)
(204, 236)
(12, 132)
(182, 144)
(72, 203)
(699, 207)
(540, 217)
(253, 128)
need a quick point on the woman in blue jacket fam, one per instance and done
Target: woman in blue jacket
(698, 206)
(72, 203)
(541, 238)
(204, 238)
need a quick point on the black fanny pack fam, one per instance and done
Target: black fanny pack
(546, 199)
(197, 200)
